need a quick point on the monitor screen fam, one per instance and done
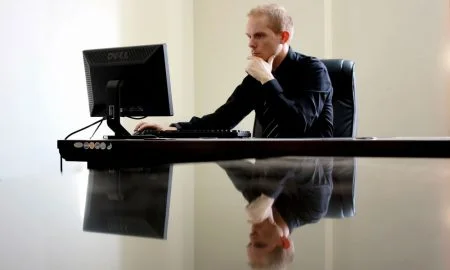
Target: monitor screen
(138, 79)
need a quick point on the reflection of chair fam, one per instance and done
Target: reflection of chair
(344, 108)
(342, 200)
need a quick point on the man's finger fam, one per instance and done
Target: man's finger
(138, 126)
(270, 60)
(145, 126)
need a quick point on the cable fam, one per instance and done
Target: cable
(99, 124)
(99, 121)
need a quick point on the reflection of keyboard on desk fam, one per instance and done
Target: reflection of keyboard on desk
(149, 133)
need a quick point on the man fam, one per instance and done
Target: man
(291, 93)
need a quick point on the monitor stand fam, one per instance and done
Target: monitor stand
(113, 88)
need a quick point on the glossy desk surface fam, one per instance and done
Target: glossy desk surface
(348, 213)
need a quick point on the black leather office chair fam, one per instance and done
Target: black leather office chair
(342, 75)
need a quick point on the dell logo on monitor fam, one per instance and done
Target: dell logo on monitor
(123, 55)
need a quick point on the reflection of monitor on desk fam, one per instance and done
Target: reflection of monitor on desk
(129, 201)
(128, 81)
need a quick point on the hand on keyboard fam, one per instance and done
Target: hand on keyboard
(192, 133)
(152, 126)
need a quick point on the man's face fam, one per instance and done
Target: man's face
(263, 42)
(264, 237)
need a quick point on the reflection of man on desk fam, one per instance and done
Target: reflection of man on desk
(291, 93)
(283, 194)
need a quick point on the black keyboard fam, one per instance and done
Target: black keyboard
(149, 133)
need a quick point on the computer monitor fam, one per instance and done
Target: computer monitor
(128, 82)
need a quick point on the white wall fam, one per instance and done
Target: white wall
(42, 86)
(44, 97)
(399, 48)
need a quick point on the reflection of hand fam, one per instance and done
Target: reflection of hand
(260, 209)
(260, 69)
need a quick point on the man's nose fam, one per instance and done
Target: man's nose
(251, 43)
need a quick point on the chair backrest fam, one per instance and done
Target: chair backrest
(342, 77)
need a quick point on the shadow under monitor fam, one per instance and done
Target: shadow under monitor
(129, 201)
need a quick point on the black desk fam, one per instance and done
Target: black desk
(388, 207)
(141, 152)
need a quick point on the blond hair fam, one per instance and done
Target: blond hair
(279, 20)
(278, 258)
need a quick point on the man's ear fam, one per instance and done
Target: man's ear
(285, 242)
(284, 37)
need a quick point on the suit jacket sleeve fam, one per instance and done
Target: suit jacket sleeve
(252, 180)
(227, 116)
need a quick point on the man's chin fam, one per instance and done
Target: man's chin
(260, 56)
